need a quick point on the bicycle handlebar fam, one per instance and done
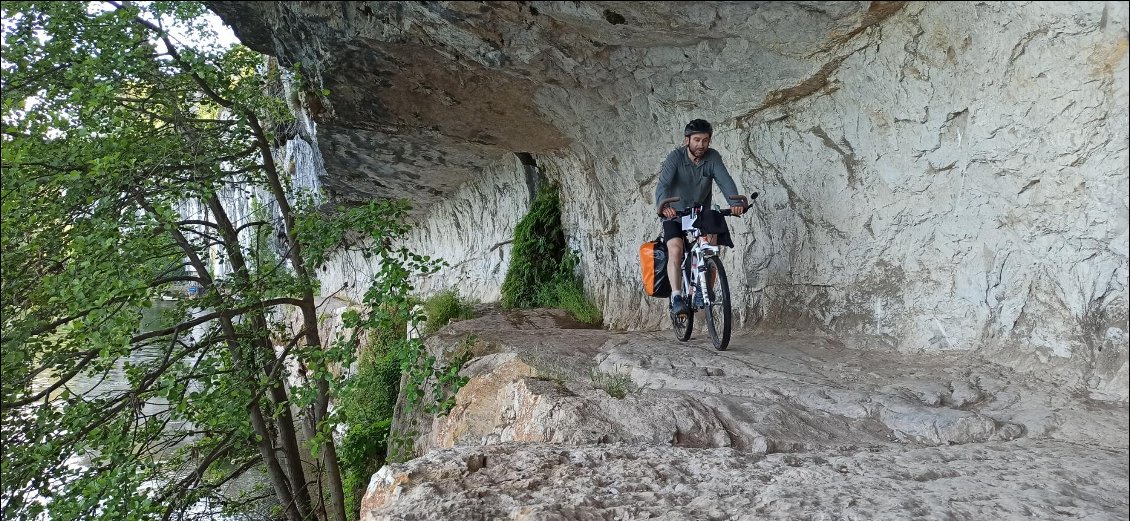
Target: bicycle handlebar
(727, 212)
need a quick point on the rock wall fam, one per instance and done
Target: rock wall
(470, 231)
(961, 182)
(934, 176)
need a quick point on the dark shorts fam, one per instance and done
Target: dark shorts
(672, 229)
(708, 222)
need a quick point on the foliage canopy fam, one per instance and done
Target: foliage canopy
(127, 158)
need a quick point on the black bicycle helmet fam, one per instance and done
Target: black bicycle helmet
(698, 126)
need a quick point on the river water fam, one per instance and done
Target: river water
(116, 380)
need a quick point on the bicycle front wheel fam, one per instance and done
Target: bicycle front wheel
(718, 316)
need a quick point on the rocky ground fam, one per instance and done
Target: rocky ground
(562, 422)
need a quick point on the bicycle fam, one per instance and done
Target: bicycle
(702, 268)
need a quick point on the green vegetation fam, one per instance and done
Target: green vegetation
(367, 404)
(566, 291)
(430, 386)
(444, 307)
(121, 143)
(617, 385)
(542, 270)
(368, 400)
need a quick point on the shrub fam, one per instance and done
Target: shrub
(539, 243)
(542, 271)
(367, 403)
(444, 307)
(565, 291)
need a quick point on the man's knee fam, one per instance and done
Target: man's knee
(674, 253)
(674, 248)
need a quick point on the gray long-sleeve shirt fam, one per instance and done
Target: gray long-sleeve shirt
(680, 177)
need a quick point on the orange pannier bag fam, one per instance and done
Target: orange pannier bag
(653, 261)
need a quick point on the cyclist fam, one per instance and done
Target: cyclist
(688, 173)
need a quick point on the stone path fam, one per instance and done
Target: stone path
(566, 423)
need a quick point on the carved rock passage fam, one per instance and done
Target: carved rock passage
(558, 422)
(934, 176)
(521, 481)
(538, 376)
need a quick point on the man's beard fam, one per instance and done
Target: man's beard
(697, 154)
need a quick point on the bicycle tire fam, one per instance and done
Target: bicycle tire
(684, 326)
(718, 291)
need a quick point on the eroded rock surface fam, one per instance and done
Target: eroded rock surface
(560, 422)
(934, 176)
(933, 283)
(1017, 480)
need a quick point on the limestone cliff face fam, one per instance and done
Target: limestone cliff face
(934, 176)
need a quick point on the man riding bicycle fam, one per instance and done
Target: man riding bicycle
(688, 173)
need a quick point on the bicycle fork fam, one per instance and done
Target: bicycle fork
(697, 290)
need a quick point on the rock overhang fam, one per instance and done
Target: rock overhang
(413, 99)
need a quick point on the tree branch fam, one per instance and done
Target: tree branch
(213, 316)
(7, 406)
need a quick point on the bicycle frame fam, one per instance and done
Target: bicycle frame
(697, 251)
(699, 255)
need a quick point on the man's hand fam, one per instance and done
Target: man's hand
(669, 212)
(737, 210)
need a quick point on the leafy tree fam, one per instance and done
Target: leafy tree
(121, 148)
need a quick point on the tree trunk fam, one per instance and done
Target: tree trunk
(279, 480)
(285, 424)
(336, 507)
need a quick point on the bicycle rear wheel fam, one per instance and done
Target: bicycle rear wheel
(718, 313)
(682, 326)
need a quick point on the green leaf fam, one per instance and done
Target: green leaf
(97, 174)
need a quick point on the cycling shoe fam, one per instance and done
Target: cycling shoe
(678, 305)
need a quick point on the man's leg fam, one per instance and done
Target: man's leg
(673, 235)
(674, 264)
